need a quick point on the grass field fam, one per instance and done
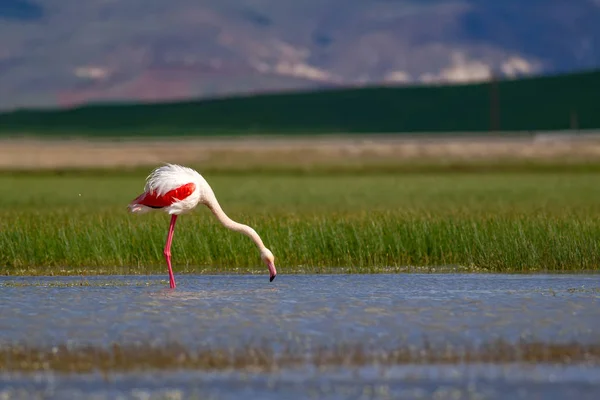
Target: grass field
(525, 221)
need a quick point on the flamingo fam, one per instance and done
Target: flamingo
(176, 189)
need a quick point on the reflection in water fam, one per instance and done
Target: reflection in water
(381, 311)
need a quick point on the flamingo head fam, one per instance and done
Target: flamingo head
(269, 259)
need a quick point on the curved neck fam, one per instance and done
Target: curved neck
(227, 222)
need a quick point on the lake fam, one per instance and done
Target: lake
(305, 315)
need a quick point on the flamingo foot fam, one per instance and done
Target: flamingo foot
(171, 276)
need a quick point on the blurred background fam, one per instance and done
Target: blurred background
(403, 77)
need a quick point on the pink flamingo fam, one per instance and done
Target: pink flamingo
(177, 190)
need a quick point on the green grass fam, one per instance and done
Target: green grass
(504, 222)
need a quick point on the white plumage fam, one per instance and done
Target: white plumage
(170, 177)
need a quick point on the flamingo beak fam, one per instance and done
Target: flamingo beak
(272, 271)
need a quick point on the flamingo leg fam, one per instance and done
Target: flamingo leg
(167, 251)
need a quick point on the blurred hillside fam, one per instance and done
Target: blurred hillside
(568, 101)
(67, 52)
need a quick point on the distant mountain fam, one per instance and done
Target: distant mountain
(71, 51)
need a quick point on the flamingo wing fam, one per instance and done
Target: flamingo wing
(153, 200)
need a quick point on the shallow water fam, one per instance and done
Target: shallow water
(307, 311)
